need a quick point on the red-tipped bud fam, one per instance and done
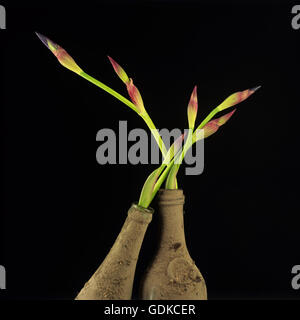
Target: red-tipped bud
(119, 70)
(135, 96)
(214, 125)
(133, 91)
(61, 54)
(236, 98)
(193, 108)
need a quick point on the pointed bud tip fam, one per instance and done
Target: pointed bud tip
(52, 46)
(43, 39)
(193, 98)
(255, 89)
(114, 63)
(194, 93)
(226, 117)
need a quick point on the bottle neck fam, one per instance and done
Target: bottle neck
(170, 205)
(139, 214)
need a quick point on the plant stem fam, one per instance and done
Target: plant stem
(144, 115)
(108, 90)
(211, 115)
(155, 133)
(172, 183)
(186, 147)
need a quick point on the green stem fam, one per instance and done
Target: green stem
(164, 174)
(211, 115)
(189, 142)
(171, 184)
(108, 90)
(155, 133)
(144, 115)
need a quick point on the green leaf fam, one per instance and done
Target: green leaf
(147, 192)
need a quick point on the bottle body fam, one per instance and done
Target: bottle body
(172, 275)
(113, 280)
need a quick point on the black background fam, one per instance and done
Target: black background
(62, 211)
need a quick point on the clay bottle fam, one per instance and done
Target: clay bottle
(172, 275)
(113, 280)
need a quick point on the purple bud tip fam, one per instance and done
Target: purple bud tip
(255, 88)
(43, 39)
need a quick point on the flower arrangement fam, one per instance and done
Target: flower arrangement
(173, 274)
(172, 157)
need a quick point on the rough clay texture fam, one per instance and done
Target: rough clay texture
(172, 274)
(114, 278)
